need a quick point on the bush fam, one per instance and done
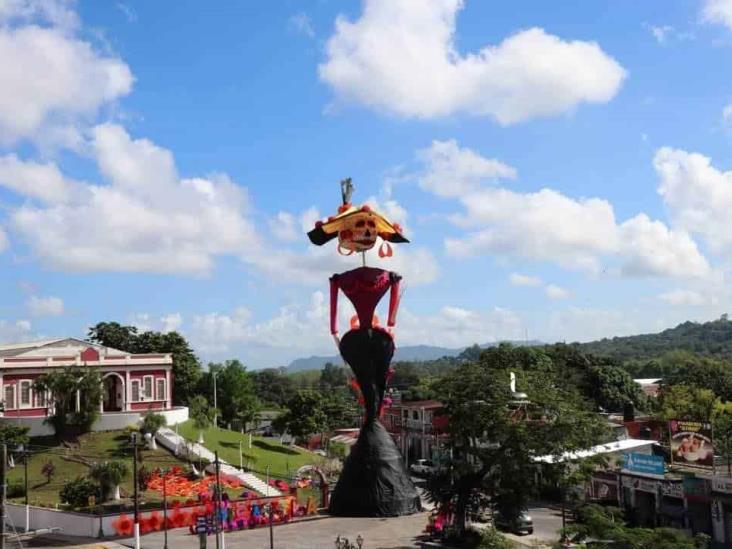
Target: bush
(77, 492)
(15, 489)
(492, 539)
(153, 422)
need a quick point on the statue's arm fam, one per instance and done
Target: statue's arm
(394, 297)
(334, 307)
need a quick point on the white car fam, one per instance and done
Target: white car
(422, 467)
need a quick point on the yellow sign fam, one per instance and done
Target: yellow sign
(92, 500)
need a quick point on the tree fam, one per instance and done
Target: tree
(114, 335)
(687, 402)
(332, 376)
(236, 397)
(705, 373)
(48, 470)
(151, 424)
(607, 523)
(77, 492)
(13, 435)
(202, 414)
(304, 415)
(109, 475)
(186, 366)
(612, 387)
(493, 439)
(273, 386)
(723, 433)
(63, 385)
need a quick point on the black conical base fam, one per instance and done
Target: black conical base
(374, 481)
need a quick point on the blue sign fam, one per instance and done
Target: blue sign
(643, 463)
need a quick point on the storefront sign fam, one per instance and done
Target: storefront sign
(643, 463)
(642, 484)
(604, 487)
(672, 489)
(722, 485)
(696, 489)
(691, 442)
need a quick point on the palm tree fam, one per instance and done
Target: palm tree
(151, 424)
(109, 475)
(201, 413)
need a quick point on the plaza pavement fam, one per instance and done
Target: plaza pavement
(320, 533)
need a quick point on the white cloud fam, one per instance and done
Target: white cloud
(717, 11)
(303, 328)
(146, 219)
(4, 241)
(697, 195)
(684, 298)
(661, 32)
(45, 306)
(547, 225)
(650, 248)
(302, 24)
(727, 114)
(283, 226)
(315, 265)
(556, 292)
(33, 179)
(588, 324)
(171, 322)
(451, 171)
(400, 56)
(16, 332)
(518, 279)
(53, 81)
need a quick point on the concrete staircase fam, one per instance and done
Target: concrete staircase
(169, 439)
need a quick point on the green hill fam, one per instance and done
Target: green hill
(708, 338)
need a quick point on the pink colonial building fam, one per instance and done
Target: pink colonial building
(132, 383)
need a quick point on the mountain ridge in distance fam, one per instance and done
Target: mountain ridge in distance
(408, 353)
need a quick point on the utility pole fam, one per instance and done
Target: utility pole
(218, 525)
(25, 475)
(165, 509)
(216, 406)
(3, 485)
(136, 498)
(271, 530)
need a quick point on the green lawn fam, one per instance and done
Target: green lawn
(111, 445)
(282, 460)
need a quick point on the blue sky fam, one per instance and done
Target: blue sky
(562, 170)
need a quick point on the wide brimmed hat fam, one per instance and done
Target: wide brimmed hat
(325, 231)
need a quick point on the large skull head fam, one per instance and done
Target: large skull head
(359, 234)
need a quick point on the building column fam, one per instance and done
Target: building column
(101, 400)
(128, 395)
(168, 390)
(78, 401)
(718, 521)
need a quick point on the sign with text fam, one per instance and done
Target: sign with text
(691, 442)
(722, 485)
(643, 463)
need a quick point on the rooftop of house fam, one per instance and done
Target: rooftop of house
(417, 404)
(63, 346)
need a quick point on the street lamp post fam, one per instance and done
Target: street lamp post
(216, 406)
(165, 509)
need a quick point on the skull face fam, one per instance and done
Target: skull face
(360, 235)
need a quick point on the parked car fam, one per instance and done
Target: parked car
(422, 467)
(521, 525)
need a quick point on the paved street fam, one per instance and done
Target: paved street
(378, 533)
(547, 523)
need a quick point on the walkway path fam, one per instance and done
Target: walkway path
(177, 444)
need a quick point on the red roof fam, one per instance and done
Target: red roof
(428, 404)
